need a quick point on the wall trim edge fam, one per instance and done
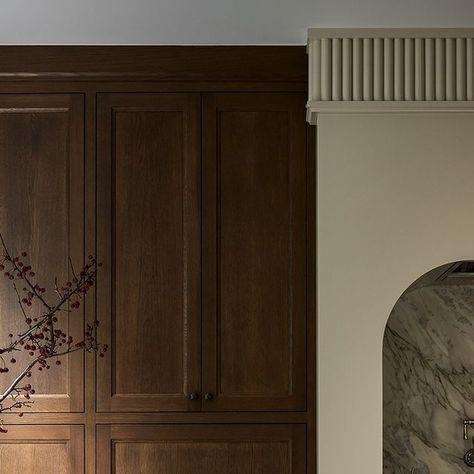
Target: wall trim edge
(314, 108)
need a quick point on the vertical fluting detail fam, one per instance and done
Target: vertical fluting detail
(450, 69)
(470, 69)
(347, 69)
(326, 69)
(315, 68)
(440, 71)
(336, 69)
(392, 68)
(460, 69)
(409, 69)
(399, 69)
(388, 69)
(357, 69)
(419, 69)
(378, 69)
(368, 75)
(430, 85)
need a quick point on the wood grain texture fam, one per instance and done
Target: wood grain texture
(254, 277)
(90, 140)
(211, 449)
(42, 449)
(41, 211)
(149, 240)
(137, 93)
(170, 63)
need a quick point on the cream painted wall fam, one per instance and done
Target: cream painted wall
(395, 199)
(211, 21)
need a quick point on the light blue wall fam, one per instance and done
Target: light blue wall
(211, 21)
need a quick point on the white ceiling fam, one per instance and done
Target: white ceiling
(212, 21)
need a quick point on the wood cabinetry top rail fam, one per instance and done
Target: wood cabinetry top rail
(155, 63)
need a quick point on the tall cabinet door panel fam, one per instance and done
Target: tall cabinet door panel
(42, 212)
(41, 449)
(149, 242)
(254, 257)
(202, 449)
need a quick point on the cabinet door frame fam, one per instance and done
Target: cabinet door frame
(70, 435)
(107, 105)
(73, 106)
(109, 435)
(213, 105)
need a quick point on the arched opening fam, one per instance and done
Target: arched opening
(428, 374)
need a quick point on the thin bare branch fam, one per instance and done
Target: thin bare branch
(18, 379)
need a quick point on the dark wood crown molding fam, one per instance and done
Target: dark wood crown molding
(155, 63)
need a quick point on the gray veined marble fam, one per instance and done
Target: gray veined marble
(429, 380)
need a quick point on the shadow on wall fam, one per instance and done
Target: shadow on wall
(428, 376)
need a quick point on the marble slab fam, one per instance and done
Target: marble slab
(428, 386)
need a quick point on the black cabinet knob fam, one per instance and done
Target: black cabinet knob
(208, 396)
(194, 396)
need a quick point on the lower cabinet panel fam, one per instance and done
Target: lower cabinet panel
(201, 449)
(42, 449)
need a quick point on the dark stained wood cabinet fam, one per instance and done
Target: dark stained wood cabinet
(253, 310)
(190, 173)
(41, 211)
(33, 449)
(149, 243)
(209, 449)
(254, 251)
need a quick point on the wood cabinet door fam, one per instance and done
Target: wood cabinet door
(201, 449)
(41, 449)
(148, 231)
(42, 212)
(254, 251)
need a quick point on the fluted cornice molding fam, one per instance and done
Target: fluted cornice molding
(390, 70)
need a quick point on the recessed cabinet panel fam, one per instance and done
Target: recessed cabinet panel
(41, 449)
(41, 211)
(149, 242)
(202, 449)
(254, 261)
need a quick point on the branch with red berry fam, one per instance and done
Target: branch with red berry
(42, 339)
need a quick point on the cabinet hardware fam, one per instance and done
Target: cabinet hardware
(208, 396)
(194, 396)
